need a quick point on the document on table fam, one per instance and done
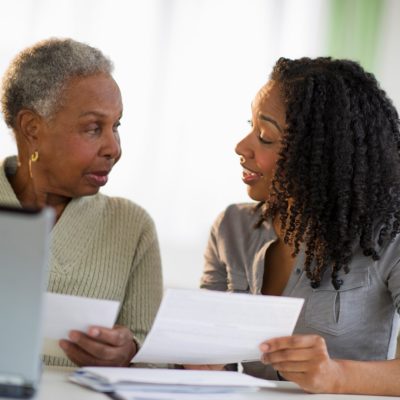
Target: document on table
(137, 395)
(63, 313)
(159, 382)
(208, 327)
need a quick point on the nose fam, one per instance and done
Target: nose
(111, 146)
(244, 150)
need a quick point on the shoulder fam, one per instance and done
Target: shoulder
(238, 222)
(238, 216)
(389, 256)
(386, 268)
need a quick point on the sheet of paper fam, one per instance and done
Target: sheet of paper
(208, 327)
(63, 313)
(136, 395)
(159, 380)
(133, 395)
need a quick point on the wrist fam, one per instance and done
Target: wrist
(134, 349)
(340, 380)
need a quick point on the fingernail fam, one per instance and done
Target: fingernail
(73, 337)
(63, 344)
(264, 347)
(94, 332)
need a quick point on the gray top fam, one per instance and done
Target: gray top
(358, 322)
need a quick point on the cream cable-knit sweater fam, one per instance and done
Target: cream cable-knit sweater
(102, 247)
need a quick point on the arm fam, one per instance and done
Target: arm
(116, 346)
(304, 359)
(214, 273)
(145, 286)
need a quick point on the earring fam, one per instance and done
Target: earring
(34, 157)
(242, 160)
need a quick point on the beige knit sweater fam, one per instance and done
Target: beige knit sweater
(102, 247)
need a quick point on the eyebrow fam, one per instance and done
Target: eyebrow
(271, 120)
(97, 114)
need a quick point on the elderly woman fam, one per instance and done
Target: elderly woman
(322, 159)
(64, 108)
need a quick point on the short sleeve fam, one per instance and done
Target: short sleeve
(214, 273)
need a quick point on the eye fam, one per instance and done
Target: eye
(262, 139)
(93, 130)
(116, 126)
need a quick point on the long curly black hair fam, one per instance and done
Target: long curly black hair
(337, 181)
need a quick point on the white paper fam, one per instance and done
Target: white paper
(209, 327)
(63, 313)
(170, 380)
(135, 395)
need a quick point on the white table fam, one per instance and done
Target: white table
(55, 386)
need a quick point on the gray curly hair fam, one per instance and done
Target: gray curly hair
(37, 76)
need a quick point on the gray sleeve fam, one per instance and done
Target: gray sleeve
(389, 270)
(394, 284)
(214, 274)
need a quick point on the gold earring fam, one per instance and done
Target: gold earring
(34, 157)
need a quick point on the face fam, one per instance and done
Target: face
(259, 150)
(80, 144)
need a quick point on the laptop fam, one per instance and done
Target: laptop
(24, 243)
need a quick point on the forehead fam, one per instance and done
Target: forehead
(269, 101)
(93, 92)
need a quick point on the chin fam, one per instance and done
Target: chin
(91, 191)
(257, 195)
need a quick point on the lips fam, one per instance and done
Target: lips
(98, 178)
(249, 176)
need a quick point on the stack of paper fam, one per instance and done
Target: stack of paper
(129, 380)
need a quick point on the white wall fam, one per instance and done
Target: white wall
(188, 70)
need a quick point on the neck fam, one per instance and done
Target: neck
(30, 194)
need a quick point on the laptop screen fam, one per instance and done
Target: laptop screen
(24, 244)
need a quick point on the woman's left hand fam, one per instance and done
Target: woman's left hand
(303, 359)
(100, 346)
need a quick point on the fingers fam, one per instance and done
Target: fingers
(303, 359)
(80, 357)
(288, 354)
(97, 349)
(294, 353)
(100, 346)
(292, 342)
(116, 336)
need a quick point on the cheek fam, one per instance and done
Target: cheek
(70, 156)
(267, 164)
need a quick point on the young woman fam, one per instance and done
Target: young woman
(322, 158)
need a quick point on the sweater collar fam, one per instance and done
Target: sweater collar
(8, 168)
(73, 232)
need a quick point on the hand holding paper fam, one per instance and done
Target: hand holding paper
(113, 347)
(85, 327)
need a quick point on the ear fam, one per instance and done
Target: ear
(28, 125)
